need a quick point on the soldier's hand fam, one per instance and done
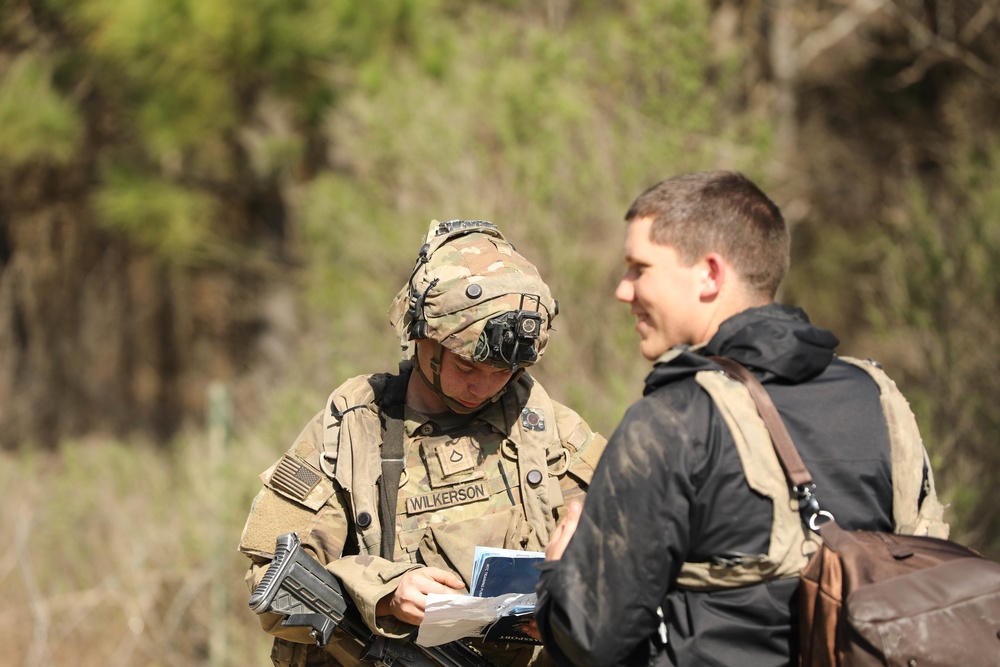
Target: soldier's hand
(408, 601)
(560, 536)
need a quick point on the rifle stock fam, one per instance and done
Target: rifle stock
(298, 587)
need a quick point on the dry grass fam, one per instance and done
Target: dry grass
(123, 555)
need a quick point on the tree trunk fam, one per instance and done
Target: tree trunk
(98, 337)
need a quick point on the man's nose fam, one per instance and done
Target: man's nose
(625, 292)
(480, 387)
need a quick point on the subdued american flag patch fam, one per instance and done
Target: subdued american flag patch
(294, 478)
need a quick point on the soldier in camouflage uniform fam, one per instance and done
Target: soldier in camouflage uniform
(399, 477)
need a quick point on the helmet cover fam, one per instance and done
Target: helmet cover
(475, 294)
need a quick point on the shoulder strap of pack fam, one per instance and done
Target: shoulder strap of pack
(391, 404)
(916, 509)
(788, 455)
(790, 545)
(352, 437)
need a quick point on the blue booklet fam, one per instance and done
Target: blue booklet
(502, 571)
(499, 572)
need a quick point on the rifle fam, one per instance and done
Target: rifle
(297, 586)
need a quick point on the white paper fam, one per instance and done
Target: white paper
(451, 617)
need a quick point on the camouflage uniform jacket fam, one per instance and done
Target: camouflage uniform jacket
(496, 478)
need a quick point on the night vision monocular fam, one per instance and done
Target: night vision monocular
(510, 338)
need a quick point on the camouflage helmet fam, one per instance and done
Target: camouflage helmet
(471, 291)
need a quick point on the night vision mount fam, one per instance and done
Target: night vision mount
(510, 338)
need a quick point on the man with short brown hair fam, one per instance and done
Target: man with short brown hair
(688, 548)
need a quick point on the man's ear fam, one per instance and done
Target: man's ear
(715, 273)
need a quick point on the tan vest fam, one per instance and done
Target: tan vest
(791, 542)
(351, 456)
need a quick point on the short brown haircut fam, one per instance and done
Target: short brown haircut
(719, 211)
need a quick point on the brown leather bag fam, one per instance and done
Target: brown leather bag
(875, 598)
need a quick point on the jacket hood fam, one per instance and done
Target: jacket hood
(776, 340)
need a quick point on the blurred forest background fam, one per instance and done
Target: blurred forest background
(206, 207)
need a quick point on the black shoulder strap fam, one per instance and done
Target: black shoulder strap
(391, 404)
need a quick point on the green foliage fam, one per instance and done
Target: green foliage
(940, 296)
(673, 35)
(200, 106)
(357, 256)
(549, 133)
(51, 131)
(918, 291)
(192, 70)
(168, 219)
(898, 249)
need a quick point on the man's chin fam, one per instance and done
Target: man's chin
(651, 351)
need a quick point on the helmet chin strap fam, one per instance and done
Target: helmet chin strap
(435, 385)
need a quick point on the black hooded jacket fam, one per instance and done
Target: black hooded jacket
(670, 488)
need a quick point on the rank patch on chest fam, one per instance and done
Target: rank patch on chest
(532, 420)
(456, 456)
(448, 497)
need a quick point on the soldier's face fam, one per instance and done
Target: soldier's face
(664, 294)
(468, 383)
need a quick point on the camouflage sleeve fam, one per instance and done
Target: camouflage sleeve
(296, 497)
(299, 497)
(583, 446)
(367, 579)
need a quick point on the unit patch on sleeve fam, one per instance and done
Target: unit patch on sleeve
(294, 478)
(532, 420)
(453, 495)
